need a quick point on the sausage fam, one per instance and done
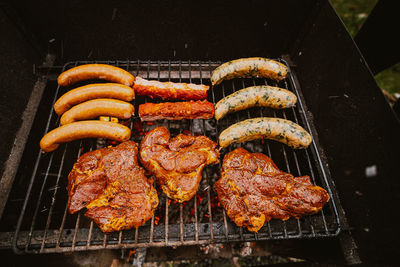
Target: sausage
(93, 91)
(95, 71)
(280, 130)
(255, 96)
(84, 129)
(249, 67)
(98, 107)
(170, 90)
(176, 111)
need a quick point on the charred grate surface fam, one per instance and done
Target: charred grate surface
(45, 226)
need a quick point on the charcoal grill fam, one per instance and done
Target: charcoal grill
(340, 104)
(49, 227)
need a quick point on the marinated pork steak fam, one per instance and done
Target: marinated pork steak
(177, 163)
(112, 186)
(253, 190)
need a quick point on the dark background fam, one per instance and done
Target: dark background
(356, 126)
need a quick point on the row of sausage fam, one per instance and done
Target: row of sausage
(77, 106)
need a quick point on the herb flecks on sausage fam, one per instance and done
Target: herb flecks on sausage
(249, 67)
(255, 96)
(277, 129)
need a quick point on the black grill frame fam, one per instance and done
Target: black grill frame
(44, 239)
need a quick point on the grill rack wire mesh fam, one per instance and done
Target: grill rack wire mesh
(45, 226)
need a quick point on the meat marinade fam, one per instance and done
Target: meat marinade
(112, 186)
(253, 191)
(176, 110)
(178, 162)
(170, 90)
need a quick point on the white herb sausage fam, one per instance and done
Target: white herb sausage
(277, 129)
(249, 67)
(255, 96)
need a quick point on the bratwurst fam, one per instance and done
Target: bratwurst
(93, 91)
(249, 67)
(96, 108)
(255, 96)
(95, 71)
(170, 90)
(280, 130)
(176, 110)
(84, 129)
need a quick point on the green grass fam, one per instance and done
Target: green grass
(389, 79)
(354, 13)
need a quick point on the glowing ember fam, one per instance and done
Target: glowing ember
(131, 252)
(156, 220)
(138, 127)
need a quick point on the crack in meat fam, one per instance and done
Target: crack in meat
(177, 163)
(253, 190)
(112, 186)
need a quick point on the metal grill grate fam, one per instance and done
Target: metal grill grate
(45, 225)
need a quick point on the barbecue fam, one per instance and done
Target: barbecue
(177, 230)
(319, 117)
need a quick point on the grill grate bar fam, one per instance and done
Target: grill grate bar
(38, 204)
(311, 171)
(62, 226)
(317, 156)
(214, 226)
(90, 234)
(53, 201)
(226, 231)
(181, 221)
(105, 241)
(166, 221)
(78, 218)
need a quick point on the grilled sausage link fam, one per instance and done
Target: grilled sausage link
(95, 71)
(249, 67)
(280, 130)
(93, 91)
(84, 129)
(170, 90)
(176, 111)
(98, 107)
(255, 96)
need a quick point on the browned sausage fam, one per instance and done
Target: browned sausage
(176, 110)
(170, 90)
(98, 107)
(84, 129)
(95, 71)
(93, 91)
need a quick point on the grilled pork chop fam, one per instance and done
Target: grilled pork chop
(112, 186)
(177, 163)
(253, 190)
